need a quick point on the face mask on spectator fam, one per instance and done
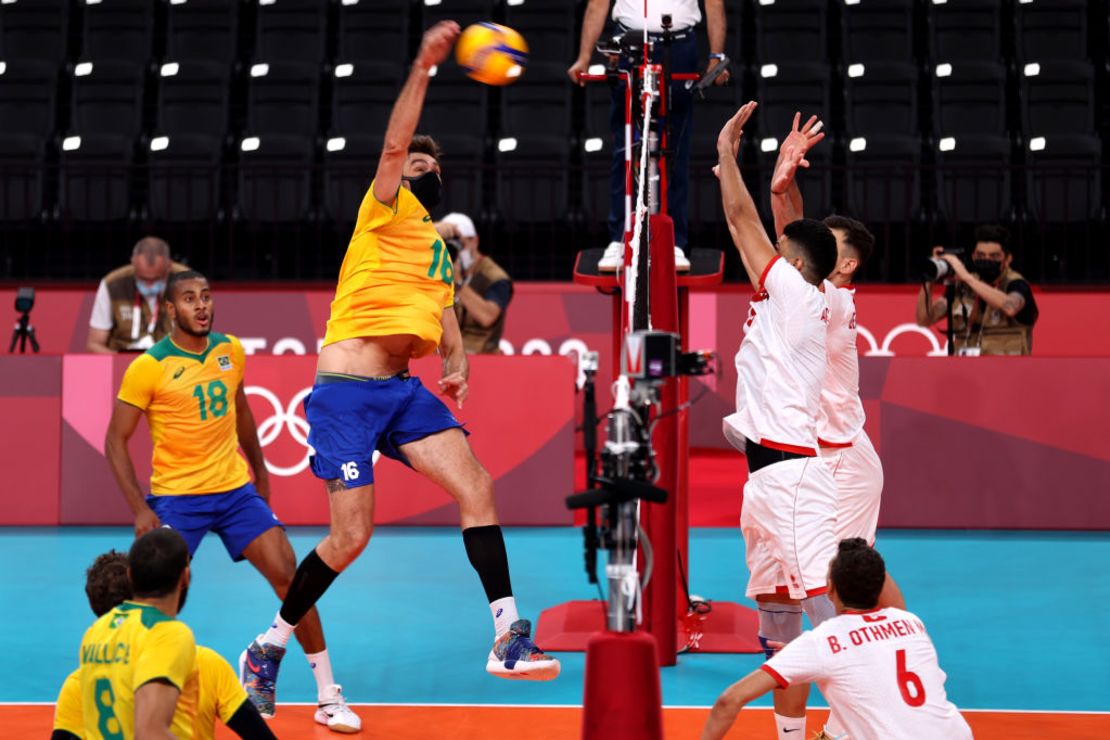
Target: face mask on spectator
(988, 270)
(466, 259)
(151, 290)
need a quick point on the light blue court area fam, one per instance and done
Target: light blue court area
(1020, 619)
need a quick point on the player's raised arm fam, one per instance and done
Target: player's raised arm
(786, 198)
(125, 418)
(728, 705)
(744, 223)
(247, 432)
(434, 48)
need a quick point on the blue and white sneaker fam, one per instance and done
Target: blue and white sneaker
(515, 656)
(258, 670)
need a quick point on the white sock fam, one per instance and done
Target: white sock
(790, 728)
(504, 614)
(279, 632)
(321, 670)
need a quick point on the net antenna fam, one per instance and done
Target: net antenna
(638, 316)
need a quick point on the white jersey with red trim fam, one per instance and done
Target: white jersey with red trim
(879, 672)
(781, 362)
(841, 417)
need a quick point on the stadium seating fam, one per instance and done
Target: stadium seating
(95, 177)
(121, 30)
(968, 30)
(1061, 185)
(347, 175)
(1051, 29)
(973, 178)
(548, 28)
(881, 98)
(363, 93)
(883, 177)
(22, 158)
(877, 32)
(794, 31)
(275, 178)
(463, 12)
(283, 98)
(27, 98)
(969, 98)
(374, 30)
(34, 29)
(193, 99)
(291, 30)
(107, 99)
(455, 104)
(184, 183)
(1058, 98)
(784, 89)
(202, 30)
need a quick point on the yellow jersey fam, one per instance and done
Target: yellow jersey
(125, 649)
(396, 278)
(219, 694)
(189, 400)
(67, 710)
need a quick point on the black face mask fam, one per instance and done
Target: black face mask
(427, 188)
(988, 270)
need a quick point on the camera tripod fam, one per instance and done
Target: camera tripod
(22, 333)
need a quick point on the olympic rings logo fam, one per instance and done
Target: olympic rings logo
(283, 418)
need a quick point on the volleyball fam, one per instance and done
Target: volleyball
(492, 54)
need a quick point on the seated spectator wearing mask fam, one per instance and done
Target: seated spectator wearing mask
(483, 290)
(994, 311)
(126, 311)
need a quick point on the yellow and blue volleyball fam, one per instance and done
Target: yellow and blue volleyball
(492, 54)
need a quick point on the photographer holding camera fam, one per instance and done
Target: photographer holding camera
(483, 290)
(993, 310)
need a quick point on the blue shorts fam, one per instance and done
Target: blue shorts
(350, 418)
(238, 517)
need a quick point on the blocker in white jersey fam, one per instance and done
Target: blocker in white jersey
(878, 670)
(845, 446)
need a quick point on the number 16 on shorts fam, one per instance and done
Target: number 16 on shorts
(349, 470)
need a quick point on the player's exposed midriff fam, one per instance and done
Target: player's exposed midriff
(369, 356)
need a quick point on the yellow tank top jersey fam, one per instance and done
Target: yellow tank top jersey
(218, 694)
(126, 648)
(189, 400)
(67, 710)
(396, 278)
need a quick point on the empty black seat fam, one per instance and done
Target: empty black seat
(193, 99)
(874, 32)
(884, 178)
(1064, 183)
(95, 177)
(34, 29)
(970, 98)
(275, 178)
(120, 30)
(795, 31)
(461, 161)
(1058, 98)
(966, 30)
(283, 98)
(22, 159)
(374, 30)
(184, 178)
(532, 180)
(973, 178)
(454, 104)
(202, 29)
(539, 104)
(784, 89)
(107, 99)
(291, 30)
(547, 27)
(1051, 29)
(363, 94)
(349, 165)
(815, 183)
(27, 92)
(881, 98)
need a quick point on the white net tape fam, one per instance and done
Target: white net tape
(632, 269)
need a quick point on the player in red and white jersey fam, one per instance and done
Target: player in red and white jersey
(845, 446)
(789, 512)
(876, 667)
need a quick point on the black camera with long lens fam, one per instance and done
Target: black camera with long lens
(934, 269)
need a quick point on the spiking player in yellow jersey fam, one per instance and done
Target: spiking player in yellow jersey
(218, 690)
(190, 387)
(394, 303)
(136, 660)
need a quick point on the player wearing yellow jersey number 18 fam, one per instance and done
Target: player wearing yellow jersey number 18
(190, 387)
(393, 303)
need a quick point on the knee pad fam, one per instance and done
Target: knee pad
(778, 622)
(818, 609)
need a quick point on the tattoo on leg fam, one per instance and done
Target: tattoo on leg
(335, 485)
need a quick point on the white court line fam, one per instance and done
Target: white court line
(579, 706)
